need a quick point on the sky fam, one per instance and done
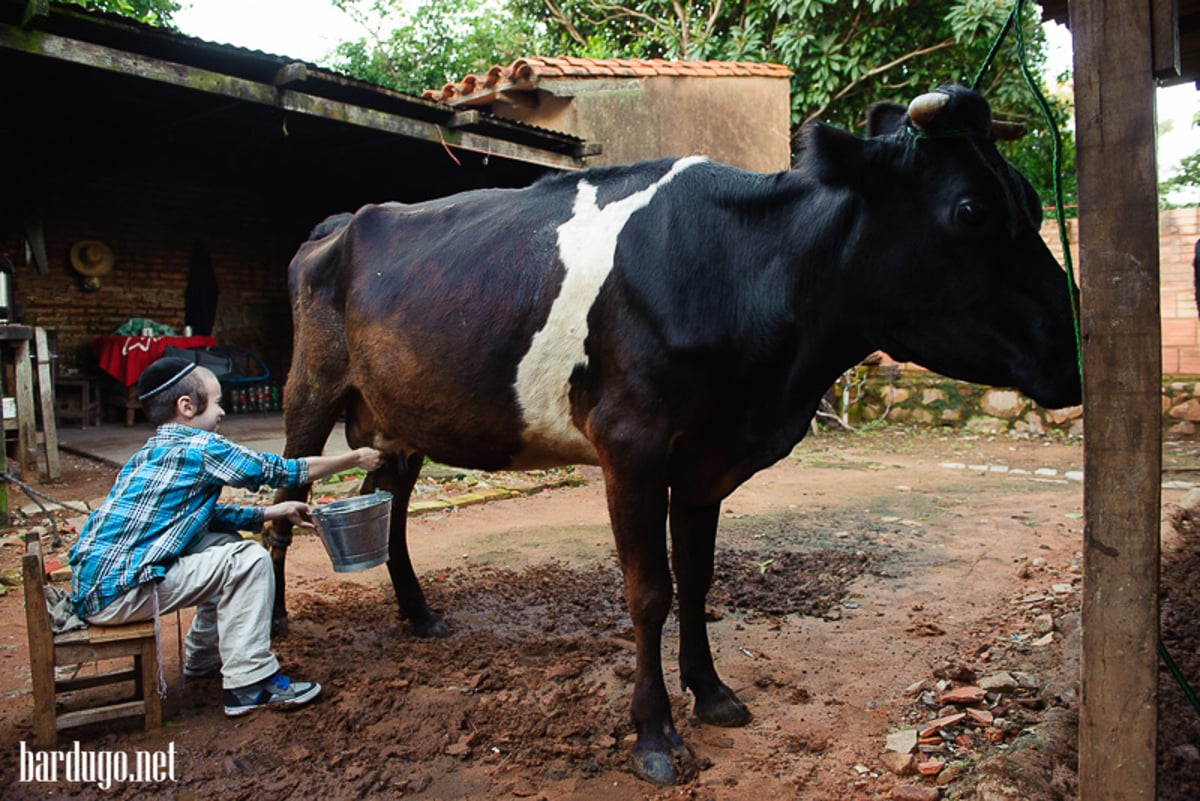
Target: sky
(305, 29)
(311, 29)
(1175, 107)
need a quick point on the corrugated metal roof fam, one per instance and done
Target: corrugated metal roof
(128, 36)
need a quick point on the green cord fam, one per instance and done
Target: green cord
(1066, 245)
(1178, 674)
(991, 56)
(1012, 22)
(1056, 163)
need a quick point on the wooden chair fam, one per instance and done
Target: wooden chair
(48, 650)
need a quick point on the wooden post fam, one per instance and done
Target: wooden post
(3, 465)
(1122, 360)
(45, 382)
(26, 416)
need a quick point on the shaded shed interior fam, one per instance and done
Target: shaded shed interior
(151, 141)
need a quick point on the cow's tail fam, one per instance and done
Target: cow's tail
(330, 225)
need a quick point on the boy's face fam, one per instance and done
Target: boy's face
(211, 417)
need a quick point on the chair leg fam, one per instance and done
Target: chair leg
(45, 723)
(41, 663)
(148, 684)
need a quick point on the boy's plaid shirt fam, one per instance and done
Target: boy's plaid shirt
(164, 497)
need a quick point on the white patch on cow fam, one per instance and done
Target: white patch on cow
(587, 246)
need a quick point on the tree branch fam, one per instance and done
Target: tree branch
(852, 85)
(684, 33)
(557, 13)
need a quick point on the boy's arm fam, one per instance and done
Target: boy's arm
(321, 466)
(232, 518)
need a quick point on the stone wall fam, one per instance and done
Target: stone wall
(920, 398)
(916, 397)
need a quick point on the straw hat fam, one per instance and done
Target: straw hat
(91, 258)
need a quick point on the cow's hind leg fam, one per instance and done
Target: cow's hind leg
(693, 539)
(398, 477)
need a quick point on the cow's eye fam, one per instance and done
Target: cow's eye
(970, 212)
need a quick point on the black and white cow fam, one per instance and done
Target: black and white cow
(675, 322)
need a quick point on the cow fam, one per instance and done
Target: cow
(675, 322)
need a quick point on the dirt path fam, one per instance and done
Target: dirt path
(859, 579)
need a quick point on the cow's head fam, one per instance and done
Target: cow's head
(948, 263)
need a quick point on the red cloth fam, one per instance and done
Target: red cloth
(124, 358)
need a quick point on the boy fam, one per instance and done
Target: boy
(160, 541)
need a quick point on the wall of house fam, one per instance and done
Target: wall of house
(737, 120)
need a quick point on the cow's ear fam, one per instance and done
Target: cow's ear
(835, 157)
(885, 118)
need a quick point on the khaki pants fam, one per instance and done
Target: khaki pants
(232, 587)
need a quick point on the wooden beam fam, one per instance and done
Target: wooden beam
(461, 119)
(202, 80)
(1164, 22)
(1122, 361)
(291, 73)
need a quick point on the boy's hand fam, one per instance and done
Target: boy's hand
(296, 511)
(368, 458)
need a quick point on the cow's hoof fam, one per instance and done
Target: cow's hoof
(669, 767)
(434, 628)
(723, 708)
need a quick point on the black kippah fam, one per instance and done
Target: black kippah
(163, 374)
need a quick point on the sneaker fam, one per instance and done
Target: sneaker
(278, 690)
(202, 672)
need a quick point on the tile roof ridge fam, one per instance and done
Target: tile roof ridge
(527, 71)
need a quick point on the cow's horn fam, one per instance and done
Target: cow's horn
(925, 108)
(1007, 131)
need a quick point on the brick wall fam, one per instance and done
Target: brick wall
(150, 229)
(1178, 231)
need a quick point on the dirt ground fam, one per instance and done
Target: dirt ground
(860, 581)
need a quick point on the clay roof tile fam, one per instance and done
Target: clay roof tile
(494, 76)
(532, 69)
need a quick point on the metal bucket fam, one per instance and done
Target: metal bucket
(355, 530)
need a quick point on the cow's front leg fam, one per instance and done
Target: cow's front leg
(638, 509)
(277, 536)
(398, 476)
(693, 540)
(308, 416)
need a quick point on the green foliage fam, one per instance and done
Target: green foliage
(1187, 176)
(845, 54)
(153, 12)
(434, 42)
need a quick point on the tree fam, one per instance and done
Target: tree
(844, 54)
(153, 12)
(433, 42)
(1187, 176)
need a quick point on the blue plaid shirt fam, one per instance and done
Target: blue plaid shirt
(164, 497)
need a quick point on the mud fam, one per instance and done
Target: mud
(857, 581)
